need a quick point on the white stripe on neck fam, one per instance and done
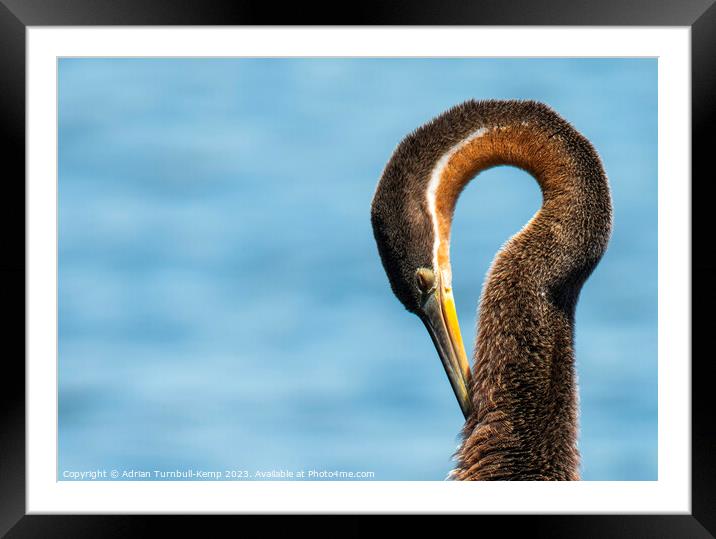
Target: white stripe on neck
(434, 184)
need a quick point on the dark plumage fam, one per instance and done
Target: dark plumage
(523, 421)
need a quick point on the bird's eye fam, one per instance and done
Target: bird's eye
(425, 279)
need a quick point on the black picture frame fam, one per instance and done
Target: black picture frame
(16, 15)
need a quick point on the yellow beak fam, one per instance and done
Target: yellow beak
(440, 318)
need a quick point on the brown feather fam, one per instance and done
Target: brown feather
(524, 424)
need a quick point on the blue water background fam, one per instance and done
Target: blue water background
(221, 301)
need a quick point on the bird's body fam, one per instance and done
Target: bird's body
(520, 401)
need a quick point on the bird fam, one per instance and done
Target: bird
(520, 397)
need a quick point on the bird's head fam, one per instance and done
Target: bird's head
(406, 233)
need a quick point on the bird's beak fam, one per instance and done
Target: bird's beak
(440, 318)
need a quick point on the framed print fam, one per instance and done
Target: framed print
(253, 257)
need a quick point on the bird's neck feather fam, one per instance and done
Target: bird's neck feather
(525, 400)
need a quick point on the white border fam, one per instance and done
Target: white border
(670, 494)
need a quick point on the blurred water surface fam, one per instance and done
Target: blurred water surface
(221, 301)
